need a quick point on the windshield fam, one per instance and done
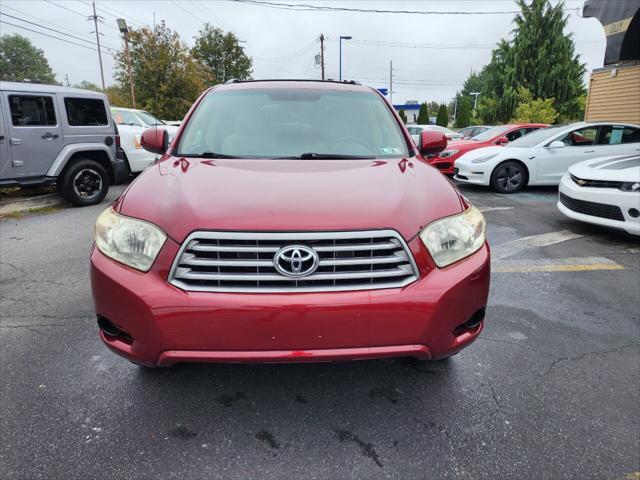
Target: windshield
(149, 119)
(535, 137)
(491, 133)
(276, 123)
(125, 117)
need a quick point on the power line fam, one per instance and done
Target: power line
(51, 36)
(291, 56)
(112, 12)
(325, 8)
(206, 10)
(52, 29)
(76, 12)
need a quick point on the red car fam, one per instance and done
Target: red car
(500, 135)
(289, 221)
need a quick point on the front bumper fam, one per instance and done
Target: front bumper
(168, 325)
(474, 173)
(605, 196)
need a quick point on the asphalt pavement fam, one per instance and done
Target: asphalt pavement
(549, 391)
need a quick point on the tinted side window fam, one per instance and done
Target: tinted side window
(31, 110)
(581, 137)
(85, 111)
(616, 134)
(516, 134)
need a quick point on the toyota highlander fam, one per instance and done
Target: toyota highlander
(290, 221)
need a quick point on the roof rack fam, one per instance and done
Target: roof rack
(235, 80)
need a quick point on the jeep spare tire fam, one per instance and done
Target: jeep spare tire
(84, 182)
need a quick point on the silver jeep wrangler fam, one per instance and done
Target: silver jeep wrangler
(51, 134)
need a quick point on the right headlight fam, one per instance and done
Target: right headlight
(453, 238)
(484, 158)
(448, 153)
(630, 187)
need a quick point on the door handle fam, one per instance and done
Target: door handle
(1, 138)
(49, 136)
(589, 151)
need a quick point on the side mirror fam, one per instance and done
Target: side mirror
(155, 140)
(432, 142)
(502, 141)
(557, 144)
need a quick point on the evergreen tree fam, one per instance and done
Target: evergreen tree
(443, 116)
(423, 115)
(403, 116)
(463, 115)
(21, 61)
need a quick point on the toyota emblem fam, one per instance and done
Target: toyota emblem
(296, 261)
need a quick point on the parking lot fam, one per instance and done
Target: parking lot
(550, 390)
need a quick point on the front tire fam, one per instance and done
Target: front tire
(84, 182)
(509, 177)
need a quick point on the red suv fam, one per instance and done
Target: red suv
(289, 221)
(500, 135)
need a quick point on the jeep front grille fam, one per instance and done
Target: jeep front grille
(244, 262)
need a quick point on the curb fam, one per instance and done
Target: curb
(27, 204)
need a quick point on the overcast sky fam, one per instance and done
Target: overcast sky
(283, 43)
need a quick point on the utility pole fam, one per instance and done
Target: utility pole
(95, 18)
(66, 76)
(391, 82)
(455, 109)
(122, 25)
(322, 54)
(475, 101)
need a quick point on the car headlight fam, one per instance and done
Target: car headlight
(483, 159)
(453, 238)
(136, 141)
(134, 242)
(448, 153)
(630, 186)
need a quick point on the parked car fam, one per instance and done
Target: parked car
(58, 135)
(472, 131)
(130, 128)
(543, 157)
(290, 221)
(415, 131)
(603, 191)
(500, 135)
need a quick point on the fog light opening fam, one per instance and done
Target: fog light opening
(112, 331)
(634, 213)
(471, 324)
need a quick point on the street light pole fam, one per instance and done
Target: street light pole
(322, 54)
(122, 26)
(475, 102)
(342, 37)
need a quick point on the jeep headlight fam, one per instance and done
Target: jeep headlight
(134, 242)
(453, 238)
(448, 153)
(483, 158)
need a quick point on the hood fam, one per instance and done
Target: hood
(483, 151)
(466, 145)
(182, 195)
(619, 168)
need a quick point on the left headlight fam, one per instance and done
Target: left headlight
(134, 242)
(448, 153)
(453, 238)
(484, 158)
(630, 186)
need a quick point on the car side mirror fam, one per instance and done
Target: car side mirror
(432, 142)
(557, 144)
(502, 141)
(155, 140)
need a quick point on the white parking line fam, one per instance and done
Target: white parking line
(554, 265)
(511, 248)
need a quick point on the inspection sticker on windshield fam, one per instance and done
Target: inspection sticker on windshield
(390, 150)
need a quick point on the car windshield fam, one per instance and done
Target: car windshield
(534, 138)
(491, 133)
(125, 117)
(292, 123)
(149, 119)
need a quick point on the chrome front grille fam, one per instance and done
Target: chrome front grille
(244, 262)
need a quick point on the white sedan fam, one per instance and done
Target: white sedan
(416, 130)
(604, 191)
(544, 156)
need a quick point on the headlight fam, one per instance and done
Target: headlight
(630, 186)
(483, 159)
(136, 141)
(135, 243)
(453, 238)
(448, 153)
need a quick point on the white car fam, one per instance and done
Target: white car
(131, 123)
(604, 191)
(544, 156)
(415, 130)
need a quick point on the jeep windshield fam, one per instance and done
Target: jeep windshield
(292, 123)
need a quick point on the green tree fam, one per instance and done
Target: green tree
(443, 116)
(403, 116)
(21, 61)
(433, 107)
(423, 115)
(119, 96)
(534, 110)
(220, 56)
(463, 115)
(540, 58)
(167, 79)
(85, 85)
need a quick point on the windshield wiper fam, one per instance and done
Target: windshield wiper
(326, 156)
(205, 155)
